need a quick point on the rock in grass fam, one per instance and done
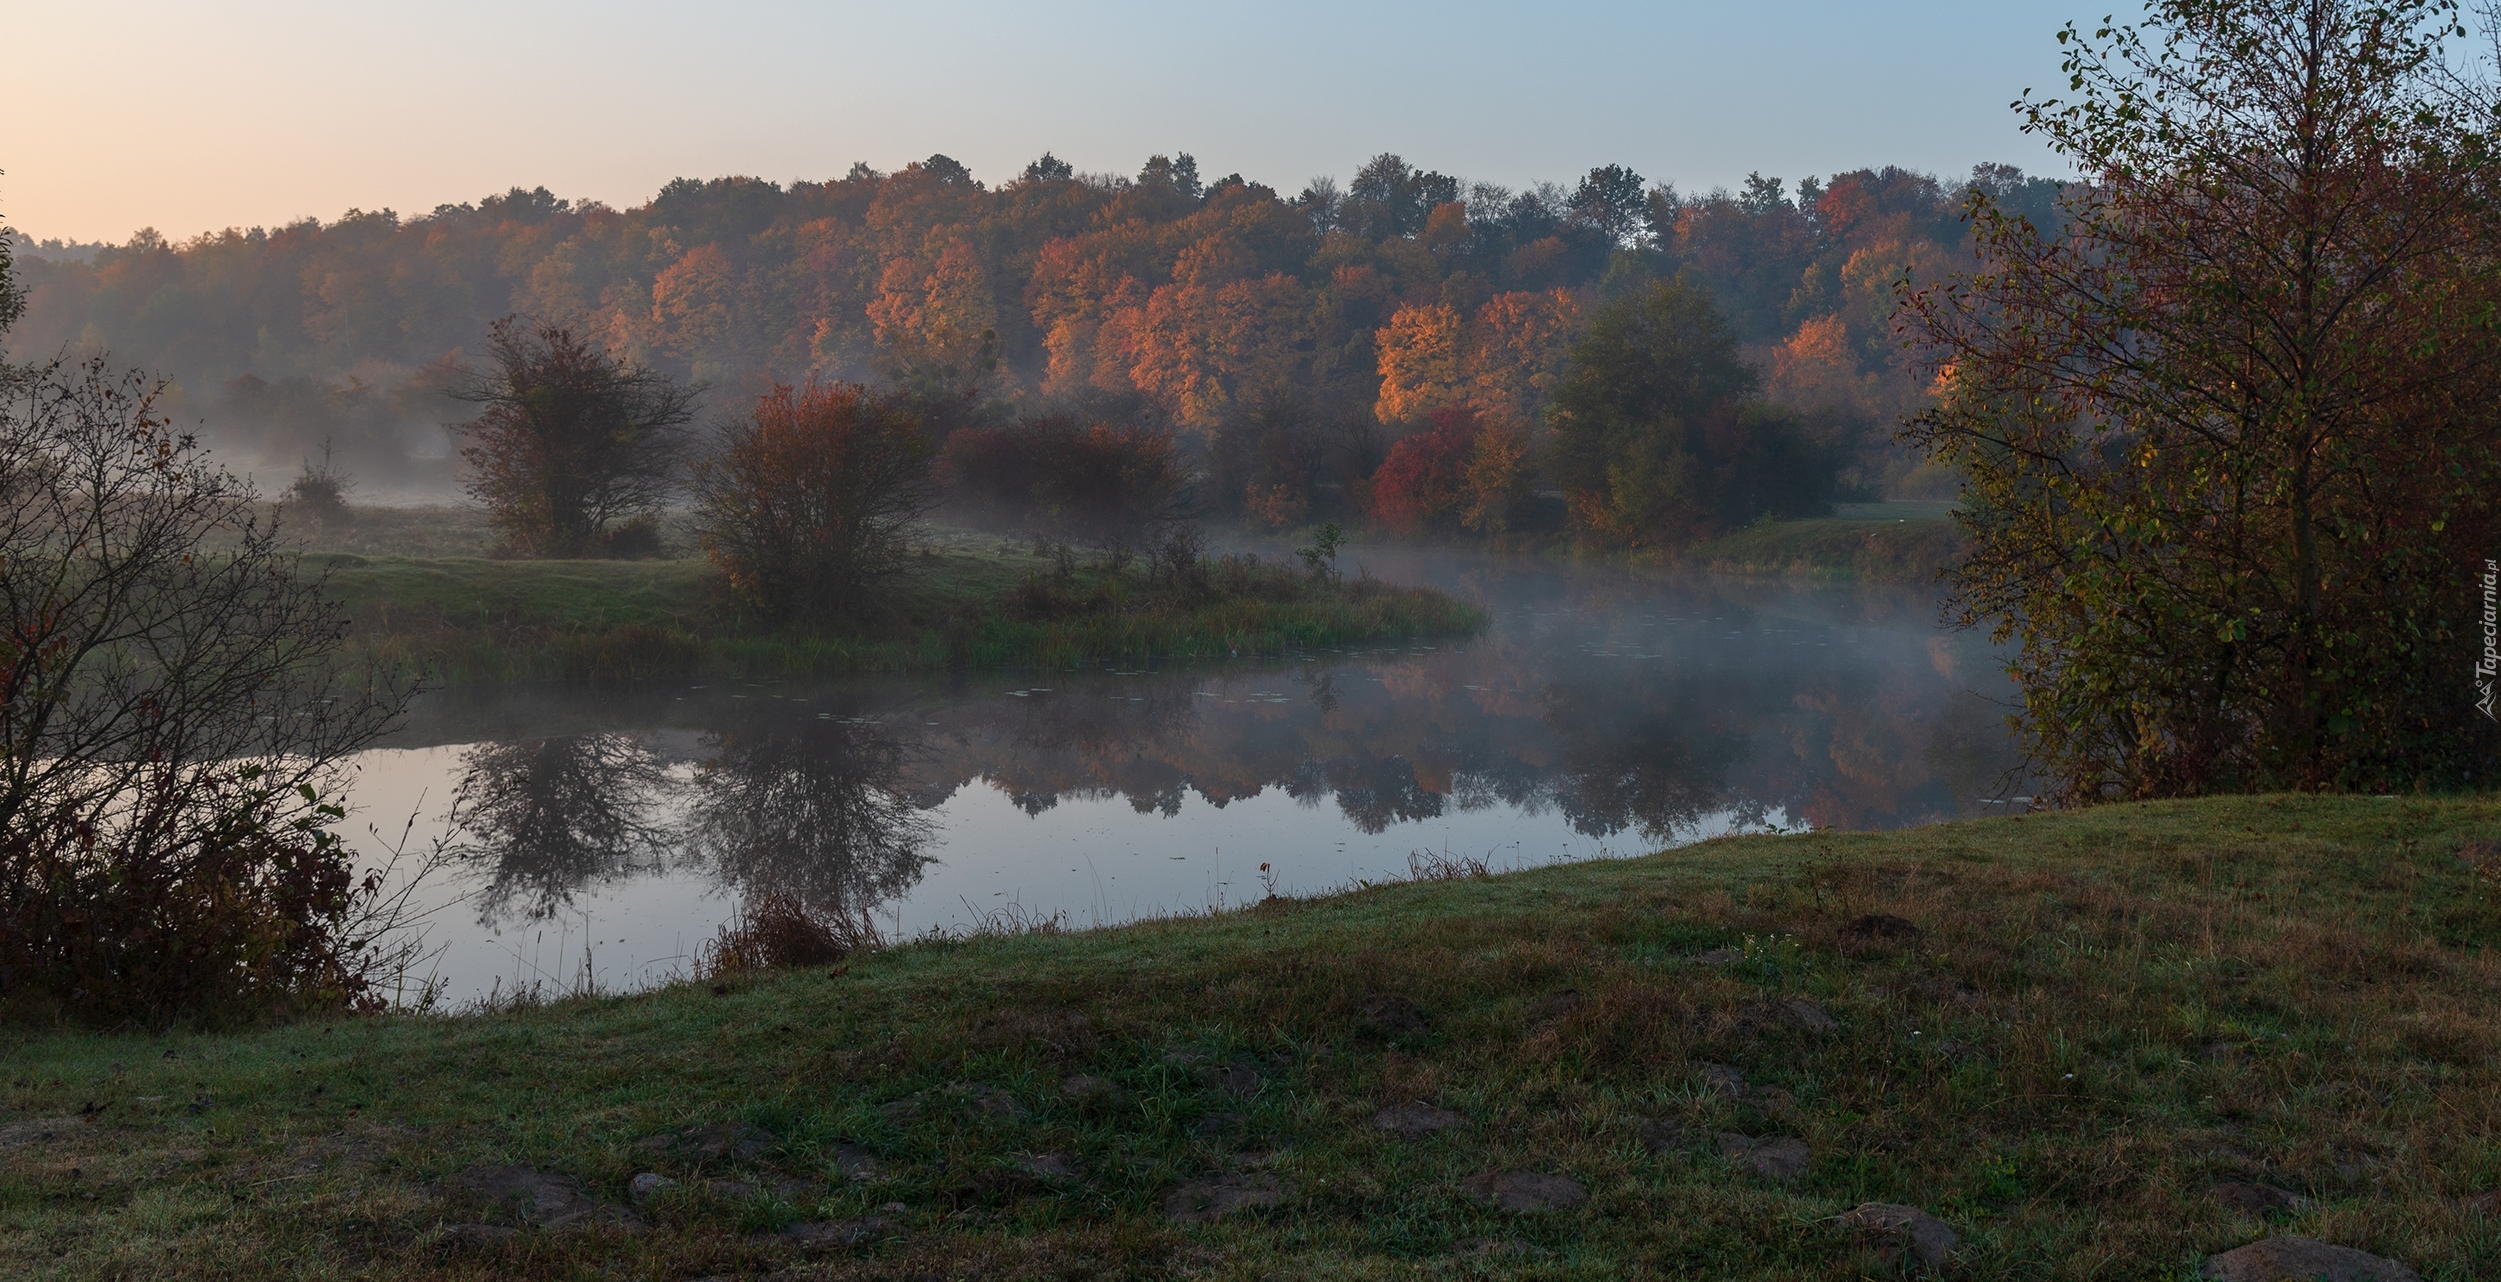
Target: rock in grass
(2255, 1199)
(1791, 1012)
(731, 1141)
(992, 1101)
(542, 1199)
(643, 1188)
(1417, 1118)
(1893, 1227)
(838, 1232)
(1199, 1201)
(1778, 1158)
(857, 1165)
(1719, 957)
(1662, 1135)
(1722, 1078)
(1240, 1081)
(1048, 1166)
(1524, 1191)
(2301, 1259)
(1091, 1091)
(1394, 1017)
(1880, 926)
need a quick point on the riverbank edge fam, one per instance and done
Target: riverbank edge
(2175, 996)
(1813, 549)
(595, 621)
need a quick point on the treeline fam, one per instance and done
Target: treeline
(1289, 340)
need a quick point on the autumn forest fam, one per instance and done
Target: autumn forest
(1290, 341)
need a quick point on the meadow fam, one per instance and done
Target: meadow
(2099, 1044)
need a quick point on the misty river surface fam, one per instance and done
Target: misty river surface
(605, 833)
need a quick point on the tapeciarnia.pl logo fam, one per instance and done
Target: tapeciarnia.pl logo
(2488, 664)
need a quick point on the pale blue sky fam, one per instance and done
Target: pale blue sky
(188, 116)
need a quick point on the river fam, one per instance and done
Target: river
(603, 834)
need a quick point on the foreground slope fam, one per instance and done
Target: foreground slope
(2097, 1045)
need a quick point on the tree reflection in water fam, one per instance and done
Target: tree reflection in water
(548, 817)
(812, 807)
(1621, 711)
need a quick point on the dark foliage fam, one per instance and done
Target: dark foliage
(2227, 436)
(1658, 437)
(546, 817)
(1117, 488)
(1279, 460)
(172, 723)
(576, 449)
(319, 493)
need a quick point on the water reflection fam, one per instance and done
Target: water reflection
(1597, 707)
(543, 818)
(814, 807)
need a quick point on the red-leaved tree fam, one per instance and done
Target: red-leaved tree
(1423, 484)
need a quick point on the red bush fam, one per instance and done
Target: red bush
(1423, 484)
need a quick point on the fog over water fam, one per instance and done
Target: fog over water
(1603, 713)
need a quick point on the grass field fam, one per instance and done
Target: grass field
(963, 601)
(2095, 1045)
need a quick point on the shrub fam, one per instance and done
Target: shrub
(776, 930)
(320, 493)
(807, 503)
(173, 727)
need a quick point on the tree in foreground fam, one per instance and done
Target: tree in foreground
(808, 502)
(174, 723)
(576, 450)
(2228, 440)
(1659, 437)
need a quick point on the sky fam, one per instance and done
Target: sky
(195, 115)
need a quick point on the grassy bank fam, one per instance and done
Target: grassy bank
(470, 619)
(1875, 543)
(2090, 1043)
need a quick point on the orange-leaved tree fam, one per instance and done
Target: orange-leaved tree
(807, 503)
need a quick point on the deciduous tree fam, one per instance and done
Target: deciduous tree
(807, 503)
(1657, 436)
(2228, 440)
(576, 449)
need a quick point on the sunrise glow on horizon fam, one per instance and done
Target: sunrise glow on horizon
(262, 114)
